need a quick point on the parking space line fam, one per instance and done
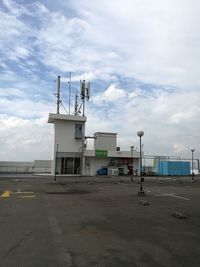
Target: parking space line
(19, 192)
(32, 196)
(171, 195)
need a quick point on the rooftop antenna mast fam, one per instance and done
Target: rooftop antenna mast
(76, 105)
(85, 93)
(70, 83)
(58, 94)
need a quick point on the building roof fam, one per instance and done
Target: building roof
(54, 116)
(104, 133)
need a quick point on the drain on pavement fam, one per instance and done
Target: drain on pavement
(179, 215)
(144, 202)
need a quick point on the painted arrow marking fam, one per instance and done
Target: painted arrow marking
(6, 194)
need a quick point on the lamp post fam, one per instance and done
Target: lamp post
(192, 150)
(131, 147)
(141, 192)
(56, 162)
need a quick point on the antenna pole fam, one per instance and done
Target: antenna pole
(82, 85)
(84, 106)
(58, 94)
(70, 80)
(76, 105)
(85, 93)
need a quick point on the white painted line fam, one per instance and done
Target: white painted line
(159, 195)
(32, 196)
(18, 192)
(170, 195)
(185, 198)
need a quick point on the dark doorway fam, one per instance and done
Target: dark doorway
(70, 165)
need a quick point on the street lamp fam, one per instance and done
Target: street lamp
(141, 192)
(192, 150)
(56, 162)
(131, 147)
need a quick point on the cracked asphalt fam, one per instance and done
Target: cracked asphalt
(98, 222)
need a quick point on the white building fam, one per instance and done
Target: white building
(71, 157)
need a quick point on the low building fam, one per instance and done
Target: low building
(71, 156)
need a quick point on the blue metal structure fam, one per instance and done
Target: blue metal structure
(181, 168)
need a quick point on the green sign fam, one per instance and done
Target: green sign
(101, 153)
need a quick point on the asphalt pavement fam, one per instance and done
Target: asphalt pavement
(99, 222)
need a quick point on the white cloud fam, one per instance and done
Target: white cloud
(15, 8)
(154, 112)
(179, 148)
(10, 27)
(92, 76)
(146, 40)
(8, 92)
(25, 140)
(154, 41)
(19, 52)
(111, 94)
(158, 41)
(25, 108)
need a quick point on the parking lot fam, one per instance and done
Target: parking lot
(99, 222)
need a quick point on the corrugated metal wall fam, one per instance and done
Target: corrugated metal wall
(181, 168)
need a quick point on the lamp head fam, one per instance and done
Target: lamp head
(140, 133)
(192, 150)
(131, 147)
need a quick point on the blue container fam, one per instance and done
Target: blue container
(181, 168)
(102, 171)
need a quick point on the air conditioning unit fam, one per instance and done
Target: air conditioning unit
(113, 172)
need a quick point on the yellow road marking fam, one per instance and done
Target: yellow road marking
(6, 194)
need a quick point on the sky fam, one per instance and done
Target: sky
(142, 58)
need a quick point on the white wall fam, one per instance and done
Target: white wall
(42, 166)
(16, 167)
(65, 136)
(105, 141)
(94, 165)
(38, 166)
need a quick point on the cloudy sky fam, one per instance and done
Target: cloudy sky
(141, 56)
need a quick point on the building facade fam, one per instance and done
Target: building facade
(71, 156)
